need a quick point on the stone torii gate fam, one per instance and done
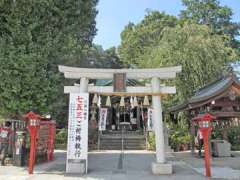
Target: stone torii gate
(120, 89)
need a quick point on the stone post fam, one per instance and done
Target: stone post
(159, 167)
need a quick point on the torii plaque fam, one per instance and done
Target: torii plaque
(119, 82)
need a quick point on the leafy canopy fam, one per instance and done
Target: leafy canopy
(203, 40)
(136, 38)
(211, 13)
(202, 55)
(35, 36)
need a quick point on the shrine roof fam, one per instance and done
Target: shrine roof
(211, 89)
(207, 92)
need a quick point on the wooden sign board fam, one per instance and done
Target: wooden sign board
(119, 82)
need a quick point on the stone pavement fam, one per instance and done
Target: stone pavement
(106, 165)
(221, 167)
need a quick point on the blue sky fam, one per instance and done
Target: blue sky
(113, 15)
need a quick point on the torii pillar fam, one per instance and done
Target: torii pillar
(160, 166)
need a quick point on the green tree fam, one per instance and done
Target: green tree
(202, 55)
(97, 57)
(211, 13)
(196, 42)
(35, 36)
(136, 38)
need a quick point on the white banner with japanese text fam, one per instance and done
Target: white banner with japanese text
(150, 120)
(78, 126)
(102, 119)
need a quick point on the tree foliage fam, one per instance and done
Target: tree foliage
(211, 13)
(136, 38)
(99, 58)
(202, 55)
(35, 36)
(202, 40)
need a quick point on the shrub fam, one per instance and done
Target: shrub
(216, 133)
(61, 139)
(234, 137)
(151, 141)
(179, 138)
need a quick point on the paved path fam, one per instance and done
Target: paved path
(221, 167)
(104, 166)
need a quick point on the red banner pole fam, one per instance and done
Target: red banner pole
(33, 141)
(53, 137)
(51, 142)
(207, 155)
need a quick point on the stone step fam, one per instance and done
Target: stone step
(120, 132)
(118, 140)
(104, 141)
(120, 137)
(125, 144)
(136, 142)
(120, 144)
(119, 147)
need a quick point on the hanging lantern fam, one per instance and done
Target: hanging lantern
(135, 102)
(146, 101)
(122, 103)
(108, 102)
(95, 99)
(99, 101)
